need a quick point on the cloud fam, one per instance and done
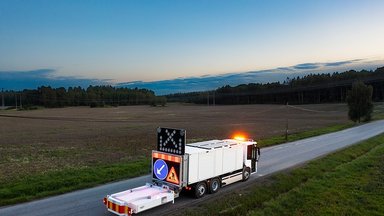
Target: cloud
(203, 83)
(307, 66)
(286, 68)
(331, 64)
(311, 66)
(18, 80)
(23, 75)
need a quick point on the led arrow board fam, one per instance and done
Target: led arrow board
(171, 140)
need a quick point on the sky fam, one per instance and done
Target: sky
(165, 43)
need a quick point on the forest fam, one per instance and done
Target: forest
(311, 88)
(93, 96)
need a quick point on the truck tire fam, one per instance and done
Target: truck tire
(214, 185)
(200, 189)
(246, 173)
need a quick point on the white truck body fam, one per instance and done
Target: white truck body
(214, 158)
(204, 166)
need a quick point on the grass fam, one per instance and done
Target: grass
(378, 114)
(302, 135)
(53, 182)
(378, 111)
(348, 182)
(43, 140)
(62, 181)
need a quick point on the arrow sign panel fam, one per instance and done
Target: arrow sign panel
(171, 140)
(160, 169)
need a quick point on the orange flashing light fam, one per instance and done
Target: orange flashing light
(240, 136)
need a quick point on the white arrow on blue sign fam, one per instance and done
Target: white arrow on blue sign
(160, 169)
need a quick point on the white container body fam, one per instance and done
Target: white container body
(213, 158)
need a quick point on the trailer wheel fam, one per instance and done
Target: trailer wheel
(200, 189)
(246, 173)
(214, 185)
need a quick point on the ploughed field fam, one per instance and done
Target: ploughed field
(34, 142)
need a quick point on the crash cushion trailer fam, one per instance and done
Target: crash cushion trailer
(202, 167)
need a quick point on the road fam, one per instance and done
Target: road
(273, 159)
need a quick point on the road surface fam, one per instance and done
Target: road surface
(273, 159)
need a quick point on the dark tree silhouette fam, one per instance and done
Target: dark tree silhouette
(93, 96)
(359, 100)
(309, 89)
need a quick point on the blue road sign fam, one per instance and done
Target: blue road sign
(160, 169)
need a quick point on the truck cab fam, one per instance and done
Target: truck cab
(253, 154)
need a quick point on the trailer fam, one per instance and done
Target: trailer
(201, 167)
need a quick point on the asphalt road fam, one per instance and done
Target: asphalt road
(273, 159)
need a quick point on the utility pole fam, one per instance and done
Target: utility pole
(286, 122)
(207, 98)
(16, 101)
(21, 106)
(214, 102)
(2, 98)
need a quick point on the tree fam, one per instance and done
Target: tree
(359, 100)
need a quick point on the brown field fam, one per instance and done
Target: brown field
(52, 139)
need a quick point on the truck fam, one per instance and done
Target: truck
(200, 167)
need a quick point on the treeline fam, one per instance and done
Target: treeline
(93, 96)
(312, 88)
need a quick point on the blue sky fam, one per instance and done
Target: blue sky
(139, 41)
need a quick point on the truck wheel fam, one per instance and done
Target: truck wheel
(246, 174)
(200, 189)
(214, 185)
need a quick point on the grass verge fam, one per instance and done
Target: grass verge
(378, 111)
(62, 181)
(348, 182)
(58, 182)
(302, 135)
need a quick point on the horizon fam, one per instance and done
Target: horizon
(183, 84)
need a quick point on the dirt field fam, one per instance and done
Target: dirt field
(53, 139)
